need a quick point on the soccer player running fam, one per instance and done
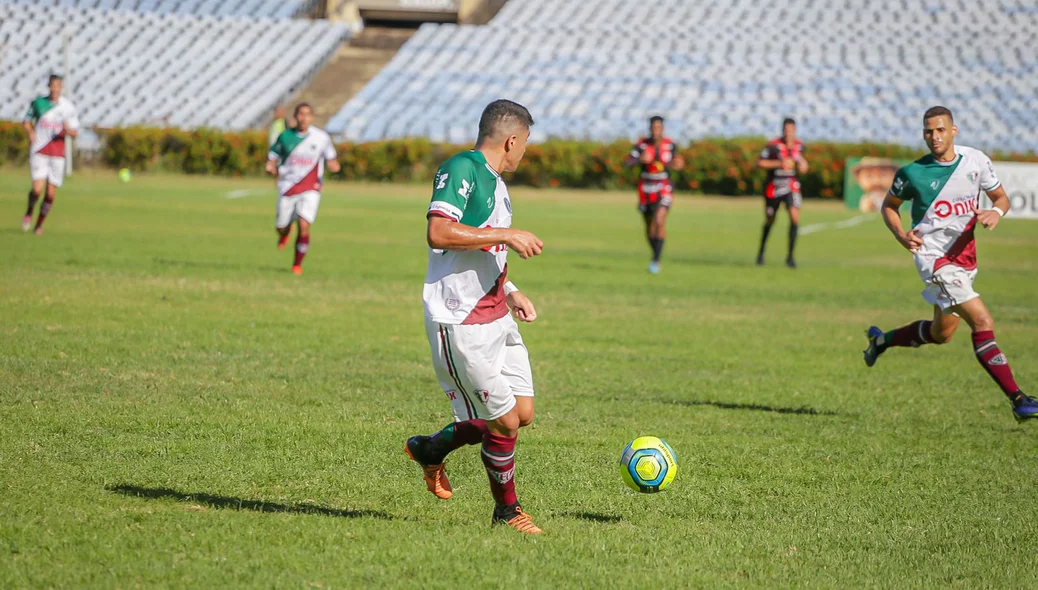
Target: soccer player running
(479, 356)
(657, 155)
(48, 122)
(783, 158)
(944, 188)
(298, 160)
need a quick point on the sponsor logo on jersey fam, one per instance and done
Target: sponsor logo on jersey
(452, 395)
(441, 181)
(508, 205)
(466, 188)
(302, 162)
(899, 183)
(935, 184)
(962, 206)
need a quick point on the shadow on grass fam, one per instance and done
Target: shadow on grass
(802, 410)
(215, 265)
(231, 503)
(594, 517)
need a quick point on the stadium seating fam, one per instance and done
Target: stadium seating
(852, 70)
(155, 68)
(247, 8)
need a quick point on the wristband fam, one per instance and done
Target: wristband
(510, 288)
(1000, 212)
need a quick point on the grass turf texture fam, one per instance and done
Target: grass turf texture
(178, 409)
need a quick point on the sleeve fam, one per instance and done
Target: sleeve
(454, 183)
(277, 150)
(329, 150)
(768, 153)
(31, 115)
(988, 180)
(636, 151)
(73, 118)
(901, 188)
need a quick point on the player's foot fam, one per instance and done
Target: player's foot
(38, 231)
(791, 262)
(874, 348)
(654, 267)
(760, 260)
(1024, 407)
(435, 476)
(297, 269)
(282, 241)
(27, 223)
(514, 517)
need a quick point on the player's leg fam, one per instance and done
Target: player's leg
(770, 209)
(306, 213)
(793, 202)
(48, 202)
(659, 227)
(39, 185)
(286, 213)
(938, 330)
(991, 357)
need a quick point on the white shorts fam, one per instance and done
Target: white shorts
(302, 205)
(49, 168)
(481, 367)
(949, 286)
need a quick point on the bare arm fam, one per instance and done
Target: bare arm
(272, 167)
(71, 132)
(891, 212)
(333, 165)
(769, 164)
(989, 218)
(447, 234)
(30, 131)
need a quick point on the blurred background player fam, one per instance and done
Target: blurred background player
(944, 188)
(783, 158)
(657, 155)
(298, 159)
(277, 126)
(478, 353)
(49, 120)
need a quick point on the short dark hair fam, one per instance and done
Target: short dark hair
(502, 113)
(655, 118)
(789, 121)
(302, 105)
(938, 111)
(52, 78)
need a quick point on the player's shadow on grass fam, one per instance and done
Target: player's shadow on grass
(231, 503)
(594, 517)
(216, 265)
(801, 411)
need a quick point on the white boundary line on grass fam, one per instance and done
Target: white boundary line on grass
(242, 192)
(850, 222)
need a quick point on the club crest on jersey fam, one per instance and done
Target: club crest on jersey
(483, 395)
(452, 304)
(972, 177)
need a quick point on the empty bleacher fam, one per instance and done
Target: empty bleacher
(849, 70)
(246, 8)
(159, 68)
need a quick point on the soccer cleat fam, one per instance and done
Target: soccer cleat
(760, 260)
(1024, 407)
(514, 517)
(874, 349)
(26, 223)
(435, 476)
(654, 267)
(282, 241)
(791, 263)
(38, 231)
(297, 269)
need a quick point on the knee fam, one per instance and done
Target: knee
(985, 324)
(526, 419)
(769, 220)
(942, 337)
(507, 425)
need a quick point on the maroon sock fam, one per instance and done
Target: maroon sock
(454, 436)
(994, 362)
(48, 202)
(498, 456)
(914, 335)
(302, 246)
(33, 198)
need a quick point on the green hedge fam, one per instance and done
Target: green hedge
(713, 166)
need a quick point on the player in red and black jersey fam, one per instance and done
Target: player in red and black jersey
(783, 158)
(657, 155)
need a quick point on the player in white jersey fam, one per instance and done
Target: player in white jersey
(298, 158)
(480, 359)
(49, 120)
(944, 188)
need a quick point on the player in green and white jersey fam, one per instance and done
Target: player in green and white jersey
(48, 122)
(298, 159)
(478, 353)
(944, 188)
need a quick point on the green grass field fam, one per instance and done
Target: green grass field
(177, 409)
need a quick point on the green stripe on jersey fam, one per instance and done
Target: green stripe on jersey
(286, 142)
(39, 107)
(921, 182)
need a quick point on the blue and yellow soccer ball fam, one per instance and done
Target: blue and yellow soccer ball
(648, 465)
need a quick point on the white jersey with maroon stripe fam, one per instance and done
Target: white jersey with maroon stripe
(301, 160)
(49, 119)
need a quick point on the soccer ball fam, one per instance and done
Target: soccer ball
(648, 465)
(125, 175)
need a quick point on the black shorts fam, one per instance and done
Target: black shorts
(791, 200)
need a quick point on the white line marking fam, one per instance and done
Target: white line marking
(242, 192)
(850, 222)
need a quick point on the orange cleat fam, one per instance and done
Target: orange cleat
(517, 519)
(283, 241)
(297, 270)
(435, 476)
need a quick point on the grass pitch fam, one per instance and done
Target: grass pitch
(177, 409)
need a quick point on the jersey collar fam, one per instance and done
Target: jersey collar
(479, 156)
